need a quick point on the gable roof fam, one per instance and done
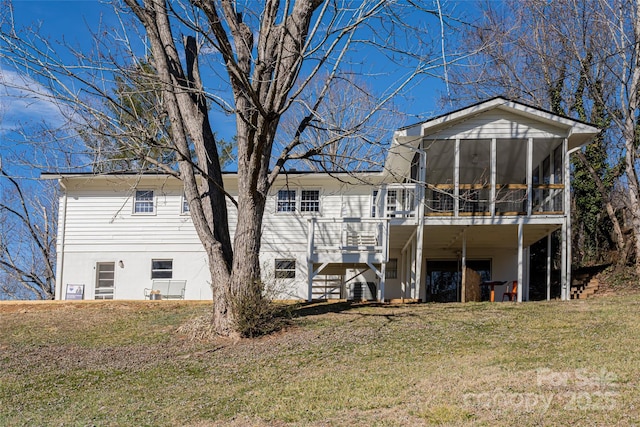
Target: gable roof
(499, 102)
(407, 139)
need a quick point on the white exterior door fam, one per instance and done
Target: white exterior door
(105, 280)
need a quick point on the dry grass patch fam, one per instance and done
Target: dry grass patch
(555, 363)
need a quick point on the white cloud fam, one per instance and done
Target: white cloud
(24, 101)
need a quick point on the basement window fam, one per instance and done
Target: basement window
(161, 268)
(285, 268)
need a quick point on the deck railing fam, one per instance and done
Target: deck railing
(510, 199)
(348, 236)
(396, 201)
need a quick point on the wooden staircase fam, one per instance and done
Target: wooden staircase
(583, 288)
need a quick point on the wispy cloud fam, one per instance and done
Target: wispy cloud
(24, 101)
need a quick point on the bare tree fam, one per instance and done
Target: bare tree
(345, 114)
(266, 55)
(576, 58)
(28, 217)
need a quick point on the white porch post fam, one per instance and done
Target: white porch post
(456, 179)
(564, 292)
(383, 278)
(401, 272)
(414, 291)
(463, 292)
(520, 259)
(567, 212)
(419, 257)
(527, 273)
(492, 190)
(310, 244)
(529, 175)
(407, 277)
(420, 230)
(310, 281)
(548, 266)
(407, 290)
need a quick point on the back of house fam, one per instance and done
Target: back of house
(452, 217)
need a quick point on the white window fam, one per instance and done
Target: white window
(374, 201)
(285, 269)
(392, 201)
(298, 200)
(286, 201)
(143, 202)
(392, 269)
(310, 201)
(185, 205)
(161, 268)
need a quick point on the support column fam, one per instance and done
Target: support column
(527, 274)
(567, 212)
(414, 291)
(564, 291)
(420, 223)
(408, 289)
(310, 281)
(520, 259)
(492, 190)
(383, 278)
(419, 257)
(530, 174)
(463, 291)
(401, 269)
(548, 267)
(310, 250)
(456, 179)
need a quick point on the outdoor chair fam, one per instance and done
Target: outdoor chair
(513, 294)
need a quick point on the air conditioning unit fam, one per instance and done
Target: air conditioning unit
(362, 291)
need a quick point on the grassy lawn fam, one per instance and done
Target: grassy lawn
(125, 363)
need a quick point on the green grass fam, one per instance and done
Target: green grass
(549, 363)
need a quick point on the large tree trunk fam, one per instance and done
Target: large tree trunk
(630, 134)
(260, 88)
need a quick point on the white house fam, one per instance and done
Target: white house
(474, 188)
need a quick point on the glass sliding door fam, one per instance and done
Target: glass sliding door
(444, 278)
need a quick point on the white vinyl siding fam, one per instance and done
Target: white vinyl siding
(498, 124)
(96, 221)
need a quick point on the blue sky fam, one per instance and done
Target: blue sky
(70, 21)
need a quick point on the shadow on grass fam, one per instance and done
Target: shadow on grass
(326, 307)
